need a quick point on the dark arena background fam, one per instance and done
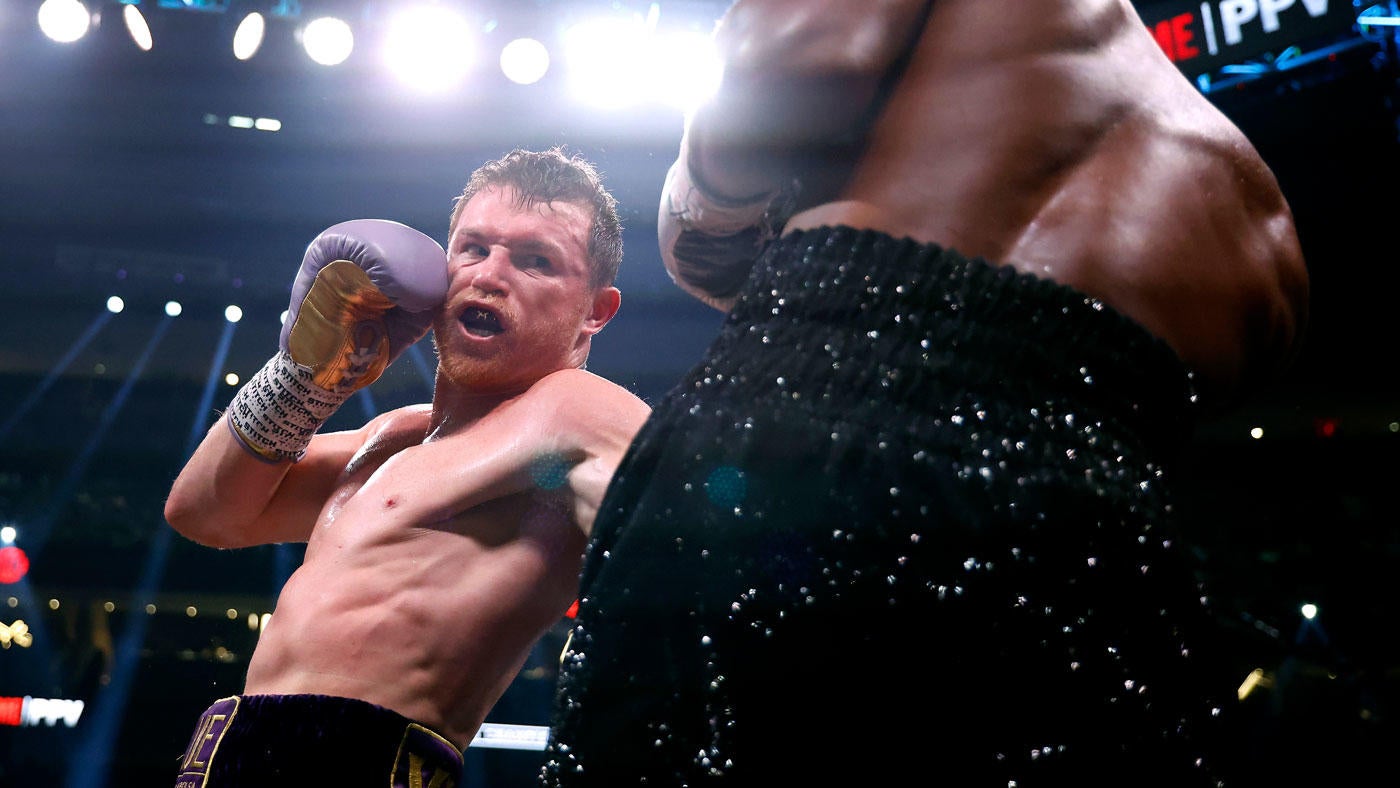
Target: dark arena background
(145, 190)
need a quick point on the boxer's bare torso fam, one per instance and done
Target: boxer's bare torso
(441, 554)
(442, 540)
(1053, 136)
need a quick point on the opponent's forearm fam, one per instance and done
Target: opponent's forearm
(802, 80)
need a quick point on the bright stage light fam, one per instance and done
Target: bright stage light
(137, 27)
(249, 35)
(115, 304)
(231, 379)
(686, 70)
(616, 62)
(7, 534)
(232, 313)
(327, 40)
(173, 308)
(429, 48)
(524, 61)
(64, 21)
(604, 57)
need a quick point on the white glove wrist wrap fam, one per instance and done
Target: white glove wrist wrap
(279, 409)
(695, 208)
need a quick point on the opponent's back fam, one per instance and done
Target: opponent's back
(1054, 136)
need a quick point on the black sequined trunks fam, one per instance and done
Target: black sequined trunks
(907, 518)
(272, 741)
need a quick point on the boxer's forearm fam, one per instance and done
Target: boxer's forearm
(222, 491)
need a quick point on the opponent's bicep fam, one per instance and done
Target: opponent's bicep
(796, 37)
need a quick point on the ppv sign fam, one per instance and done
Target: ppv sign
(1201, 37)
(29, 712)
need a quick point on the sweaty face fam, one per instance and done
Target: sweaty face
(520, 304)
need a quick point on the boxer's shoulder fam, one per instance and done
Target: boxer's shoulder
(572, 394)
(389, 433)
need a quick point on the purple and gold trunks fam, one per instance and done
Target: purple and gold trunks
(311, 740)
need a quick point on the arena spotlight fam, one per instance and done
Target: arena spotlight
(173, 308)
(137, 27)
(115, 304)
(524, 61)
(64, 21)
(327, 40)
(249, 35)
(232, 313)
(429, 48)
(688, 69)
(607, 61)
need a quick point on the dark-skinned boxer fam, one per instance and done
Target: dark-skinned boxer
(910, 519)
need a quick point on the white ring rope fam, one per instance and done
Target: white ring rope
(510, 737)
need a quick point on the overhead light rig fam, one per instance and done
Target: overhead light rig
(614, 54)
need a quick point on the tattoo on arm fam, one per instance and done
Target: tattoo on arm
(717, 263)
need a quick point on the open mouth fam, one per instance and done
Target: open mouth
(481, 322)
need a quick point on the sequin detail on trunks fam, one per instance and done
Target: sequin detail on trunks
(909, 517)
